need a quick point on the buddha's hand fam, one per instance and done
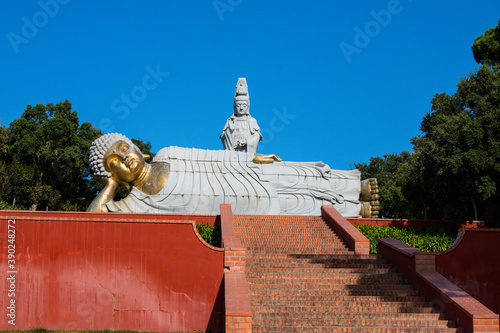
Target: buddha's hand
(98, 205)
(265, 159)
(107, 182)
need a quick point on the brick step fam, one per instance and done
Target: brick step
(352, 315)
(302, 251)
(371, 309)
(264, 239)
(311, 286)
(300, 232)
(257, 328)
(338, 300)
(342, 257)
(274, 233)
(330, 262)
(276, 265)
(329, 280)
(332, 292)
(299, 250)
(353, 322)
(292, 241)
(316, 272)
(293, 244)
(303, 278)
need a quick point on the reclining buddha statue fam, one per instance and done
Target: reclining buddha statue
(196, 181)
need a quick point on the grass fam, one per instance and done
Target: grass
(433, 239)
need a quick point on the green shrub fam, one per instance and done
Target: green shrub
(5, 206)
(211, 234)
(433, 239)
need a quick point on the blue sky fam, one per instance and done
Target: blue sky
(337, 81)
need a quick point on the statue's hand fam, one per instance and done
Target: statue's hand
(109, 182)
(106, 194)
(265, 159)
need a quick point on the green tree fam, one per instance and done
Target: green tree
(460, 147)
(48, 158)
(5, 176)
(399, 184)
(145, 147)
(486, 48)
(454, 169)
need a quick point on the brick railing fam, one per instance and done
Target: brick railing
(354, 239)
(237, 297)
(420, 269)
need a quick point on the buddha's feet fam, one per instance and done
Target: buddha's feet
(369, 198)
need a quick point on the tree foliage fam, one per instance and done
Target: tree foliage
(145, 147)
(486, 48)
(453, 171)
(46, 158)
(460, 147)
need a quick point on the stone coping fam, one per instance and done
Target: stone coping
(352, 236)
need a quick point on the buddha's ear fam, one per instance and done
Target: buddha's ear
(146, 157)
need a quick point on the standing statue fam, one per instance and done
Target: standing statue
(241, 132)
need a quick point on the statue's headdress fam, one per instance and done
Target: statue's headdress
(241, 90)
(99, 148)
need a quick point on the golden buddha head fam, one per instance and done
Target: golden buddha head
(114, 155)
(123, 161)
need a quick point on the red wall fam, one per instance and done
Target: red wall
(473, 264)
(87, 271)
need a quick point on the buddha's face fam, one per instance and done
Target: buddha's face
(124, 162)
(241, 107)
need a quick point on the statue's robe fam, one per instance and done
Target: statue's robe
(241, 130)
(200, 180)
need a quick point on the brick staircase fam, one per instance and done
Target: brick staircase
(302, 278)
